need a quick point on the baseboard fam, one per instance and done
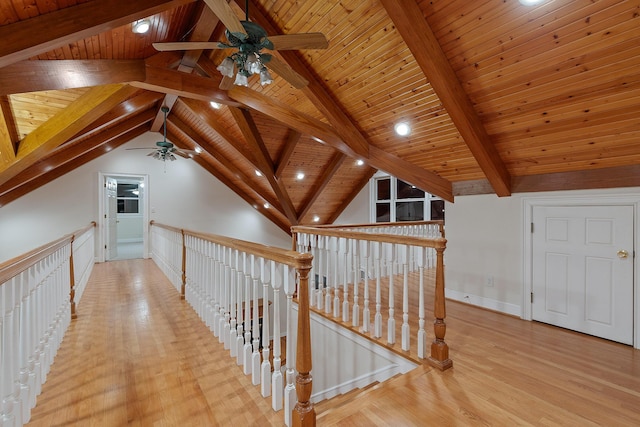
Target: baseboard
(488, 303)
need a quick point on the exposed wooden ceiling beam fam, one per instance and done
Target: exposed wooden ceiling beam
(347, 201)
(414, 29)
(70, 24)
(7, 146)
(289, 146)
(202, 31)
(269, 213)
(223, 162)
(9, 121)
(221, 131)
(427, 181)
(64, 125)
(34, 76)
(184, 85)
(316, 91)
(252, 136)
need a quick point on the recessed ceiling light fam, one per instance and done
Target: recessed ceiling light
(316, 218)
(530, 2)
(215, 105)
(299, 176)
(198, 150)
(141, 26)
(258, 173)
(359, 162)
(266, 205)
(402, 128)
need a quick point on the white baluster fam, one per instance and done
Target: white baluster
(405, 301)
(227, 301)
(320, 282)
(344, 246)
(356, 281)
(265, 371)
(377, 325)
(248, 331)
(422, 335)
(328, 257)
(366, 313)
(336, 274)
(391, 322)
(239, 313)
(7, 416)
(233, 307)
(255, 355)
(280, 275)
(290, 397)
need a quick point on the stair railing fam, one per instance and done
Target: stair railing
(348, 259)
(244, 293)
(39, 292)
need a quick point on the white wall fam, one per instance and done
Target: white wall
(358, 210)
(485, 246)
(183, 195)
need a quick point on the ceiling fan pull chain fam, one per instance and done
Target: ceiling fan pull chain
(246, 10)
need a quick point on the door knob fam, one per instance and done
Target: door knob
(622, 254)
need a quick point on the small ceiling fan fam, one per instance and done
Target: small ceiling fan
(165, 150)
(250, 39)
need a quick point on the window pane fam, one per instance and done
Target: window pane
(383, 189)
(127, 206)
(383, 212)
(408, 191)
(437, 210)
(410, 211)
(127, 190)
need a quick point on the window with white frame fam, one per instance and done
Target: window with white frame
(395, 200)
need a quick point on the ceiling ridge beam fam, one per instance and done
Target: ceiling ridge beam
(423, 44)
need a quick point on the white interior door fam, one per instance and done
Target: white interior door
(111, 217)
(583, 269)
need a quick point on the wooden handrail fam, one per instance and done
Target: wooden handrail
(303, 414)
(439, 348)
(436, 242)
(14, 266)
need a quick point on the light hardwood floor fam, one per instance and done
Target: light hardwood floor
(138, 355)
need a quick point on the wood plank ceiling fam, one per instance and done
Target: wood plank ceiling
(501, 97)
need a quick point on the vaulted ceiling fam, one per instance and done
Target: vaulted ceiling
(501, 97)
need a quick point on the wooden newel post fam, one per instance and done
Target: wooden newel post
(72, 283)
(304, 414)
(184, 268)
(439, 349)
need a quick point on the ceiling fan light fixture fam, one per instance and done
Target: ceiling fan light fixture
(242, 79)
(226, 67)
(265, 77)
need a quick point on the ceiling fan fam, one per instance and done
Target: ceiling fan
(250, 39)
(165, 150)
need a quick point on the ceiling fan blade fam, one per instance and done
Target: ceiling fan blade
(142, 148)
(299, 41)
(287, 73)
(171, 46)
(224, 12)
(226, 83)
(151, 153)
(181, 154)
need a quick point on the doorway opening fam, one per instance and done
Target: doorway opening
(124, 214)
